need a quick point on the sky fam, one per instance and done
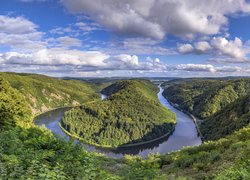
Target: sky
(137, 38)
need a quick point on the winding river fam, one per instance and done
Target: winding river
(185, 133)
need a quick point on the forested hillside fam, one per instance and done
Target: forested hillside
(14, 109)
(233, 117)
(222, 104)
(205, 97)
(34, 153)
(44, 93)
(131, 114)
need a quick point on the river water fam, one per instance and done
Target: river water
(185, 133)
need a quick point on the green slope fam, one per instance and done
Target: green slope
(205, 97)
(131, 114)
(14, 109)
(227, 158)
(44, 93)
(222, 104)
(233, 117)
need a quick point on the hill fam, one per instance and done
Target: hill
(223, 104)
(205, 97)
(231, 118)
(44, 93)
(131, 114)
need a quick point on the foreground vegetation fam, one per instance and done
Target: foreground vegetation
(222, 104)
(44, 93)
(131, 114)
(30, 152)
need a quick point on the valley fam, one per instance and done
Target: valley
(29, 150)
(175, 141)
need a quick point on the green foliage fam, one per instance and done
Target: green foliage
(226, 158)
(239, 170)
(44, 93)
(131, 114)
(205, 97)
(222, 104)
(35, 153)
(14, 109)
(233, 117)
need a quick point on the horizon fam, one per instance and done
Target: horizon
(127, 77)
(84, 38)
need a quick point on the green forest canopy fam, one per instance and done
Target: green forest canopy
(131, 114)
(44, 93)
(222, 104)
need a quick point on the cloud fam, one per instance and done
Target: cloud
(196, 67)
(185, 48)
(138, 46)
(156, 19)
(59, 62)
(232, 48)
(64, 41)
(88, 26)
(20, 33)
(222, 49)
(228, 60)
(202, 47)
(56, 57)
(16, 25)
(229, 69)
(69, 42)
(123, 61)
(63, 30)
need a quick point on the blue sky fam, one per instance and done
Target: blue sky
(185, 38)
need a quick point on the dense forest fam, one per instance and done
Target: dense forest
(222, 104)
(233, 117)
(131, 114)
(13, 107)
(31, 152)
(44, 93)
(205, 97)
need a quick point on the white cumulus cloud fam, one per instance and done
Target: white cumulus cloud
(222, 49)
(157, 18)
(185, 48)
(233, 48)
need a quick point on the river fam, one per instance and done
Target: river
(185, 133)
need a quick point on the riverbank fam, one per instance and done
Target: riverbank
(115, 148)
(81, 139)
(150, 141)
(189, 114)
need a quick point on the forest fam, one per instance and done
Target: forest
(31, 152)
(44, 93)
(130, 114)
(221, 104)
